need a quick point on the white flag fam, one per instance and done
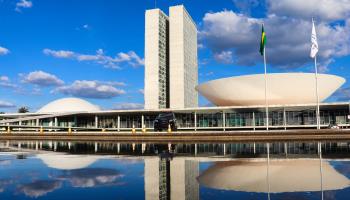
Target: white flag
(314, 44)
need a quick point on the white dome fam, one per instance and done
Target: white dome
(283, 88)
(68, 105)
(67, 162)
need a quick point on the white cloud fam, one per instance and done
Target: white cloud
(5, 82)
(224, 57)
(288, 39)
(58, 54)
(4, 78)
(41, 78)
(23, 4)
(39, 187)
(131, 58)
(6, 104)
(90, 89)
(321, 9)
(128, 106)
(3, 51)
(141, 91)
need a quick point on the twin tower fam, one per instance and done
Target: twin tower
(171, 68)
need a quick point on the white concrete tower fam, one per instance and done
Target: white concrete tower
(156, 91)
(183, 59)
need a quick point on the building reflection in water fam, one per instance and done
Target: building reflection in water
(168, 177)
(171, 171)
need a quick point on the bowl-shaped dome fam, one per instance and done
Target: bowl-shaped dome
(285, 175)
(68, 105)
(283, 88)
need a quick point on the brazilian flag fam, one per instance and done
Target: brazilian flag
(263, 40)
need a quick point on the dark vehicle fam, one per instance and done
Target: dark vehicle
(163, 120)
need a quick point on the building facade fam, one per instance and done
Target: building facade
(191, 119)
(156, 59)
(183, 59)
(171, 71)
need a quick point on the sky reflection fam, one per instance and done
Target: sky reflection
(175, 171)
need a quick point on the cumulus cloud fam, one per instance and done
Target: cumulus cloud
(321, 9)
(4, 78)
(23, 4)
(90, 89)
(3, 51)
(6, 83)
(131, 58)
(5, 104)
(288, 39)
(128, 106)
(92, 177)
(58, 54)
(224, 57)
(41, 78)
(40, 187)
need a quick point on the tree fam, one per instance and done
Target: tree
(23, 109)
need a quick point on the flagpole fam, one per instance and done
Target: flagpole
(266, 102)
(317, 96)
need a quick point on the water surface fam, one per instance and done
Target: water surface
(79, 170)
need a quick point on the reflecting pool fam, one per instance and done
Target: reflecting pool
(103, 170)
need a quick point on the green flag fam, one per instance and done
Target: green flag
(263, 40)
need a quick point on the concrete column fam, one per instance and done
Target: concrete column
(37, 123)
(224, 149)
(253, 120)
(51, 122)
(118, 148)
(284, 118)
(96, 147)
(195, 149)
(20, 123)
(142, 121)
(118, 123)
(96, 121)
(223, 120)
(36, 145)
(286, 148)
(69, 145)
(55, 146)
(75, 121)
(56, 121)
(143, 147)
(195, 121)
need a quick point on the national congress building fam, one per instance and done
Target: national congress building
(171, 85)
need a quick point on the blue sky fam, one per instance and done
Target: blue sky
(94, 49)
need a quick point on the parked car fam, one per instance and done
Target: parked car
(163, 120)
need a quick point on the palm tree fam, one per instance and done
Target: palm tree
(23, 109)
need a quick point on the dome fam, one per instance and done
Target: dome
(67, 162)
(68, 105)
(285, 175)
(283, 89)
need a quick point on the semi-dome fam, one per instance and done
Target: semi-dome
(68, 105)
(283, 89)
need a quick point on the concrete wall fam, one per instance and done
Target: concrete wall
(183, 59)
